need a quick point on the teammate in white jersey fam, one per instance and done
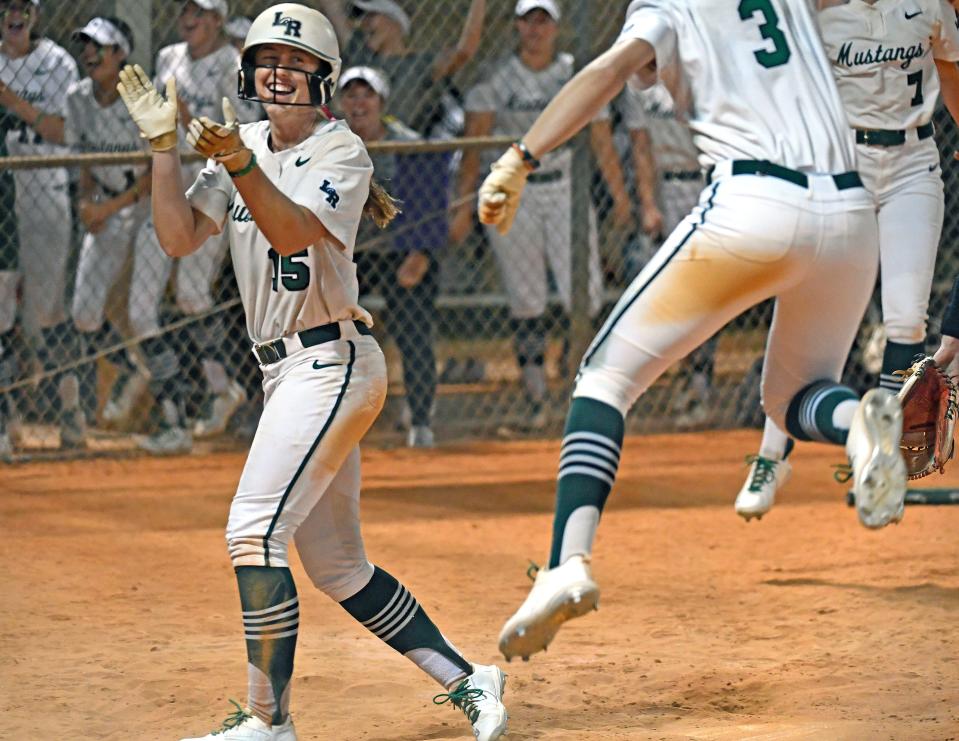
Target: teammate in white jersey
(507, 103)
(205, 66)
(784, 215)
(289, 194)
(34, 77)
(111, 207)
(888, 59)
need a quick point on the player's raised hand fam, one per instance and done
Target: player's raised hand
(219, 141)
(500, 193)
(155, 115)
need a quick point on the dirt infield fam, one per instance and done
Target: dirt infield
(120, 618)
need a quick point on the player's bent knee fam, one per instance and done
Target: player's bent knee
(339, 581)
(608, 386)
(257, 551)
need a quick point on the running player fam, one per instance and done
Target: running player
(784, 215)
(507, 103)
(109, 201)
(34, 76)
(289, 193)
(204, 65)
(888, 61)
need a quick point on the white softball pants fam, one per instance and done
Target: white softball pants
(907, 184)
(750, 238)
(302, 476)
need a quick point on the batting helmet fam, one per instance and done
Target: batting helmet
(294, 25)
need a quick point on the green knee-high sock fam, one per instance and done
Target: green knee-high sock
(822, 411)
(588, 463)
(897, 357)
(271, 619)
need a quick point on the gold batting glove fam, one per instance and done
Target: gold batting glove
(500, 193)
(154, 115)
(220, 141)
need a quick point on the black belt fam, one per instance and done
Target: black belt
(684, 175)
(843, 180)
(891, 137)
(271, 352)
(544, 177)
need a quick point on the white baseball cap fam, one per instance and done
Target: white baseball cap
(104, 33)
(372, 77)
(237, 27)
(387, 8)
(525, 6)
(218, 6)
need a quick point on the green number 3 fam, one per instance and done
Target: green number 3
(770, 30)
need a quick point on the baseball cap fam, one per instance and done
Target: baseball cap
(104, 33)
(387, 8)
(237, 27)
(525, 6)
(218, 6)
(372, 77)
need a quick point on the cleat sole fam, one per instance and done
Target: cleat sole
(535, 636)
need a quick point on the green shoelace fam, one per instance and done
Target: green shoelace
(233, 719)
(765, 471)
(464, 697)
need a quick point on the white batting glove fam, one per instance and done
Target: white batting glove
(155, 116)
(218, 141)
(500, 193)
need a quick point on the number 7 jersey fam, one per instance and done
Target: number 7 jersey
(750, 76)
(883, 58)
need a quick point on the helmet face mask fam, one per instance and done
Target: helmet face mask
(299, 27)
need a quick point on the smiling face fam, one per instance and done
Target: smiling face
(277, 84)
(102, 63)
(362, 107)
(17, 19)
(200, 29)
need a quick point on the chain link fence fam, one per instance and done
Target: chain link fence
(482, 333)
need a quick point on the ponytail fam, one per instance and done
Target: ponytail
(380, 206)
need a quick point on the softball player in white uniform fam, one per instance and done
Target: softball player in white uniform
(507, 103)
(784, 214)
(109, 197)
(289, 193)
(204, 67)
(884, 58)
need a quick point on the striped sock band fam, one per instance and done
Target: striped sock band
(395, 616)
(810, 413)
(279, 621)
(588, 463)
(896, 357)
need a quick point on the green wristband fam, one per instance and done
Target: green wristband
(246, 170)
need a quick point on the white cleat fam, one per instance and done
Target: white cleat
(167, 441)
(878, 470)
(480, 697)
(126, 391)
(558, 595)
(420, 436)
(243, 726)
(221, 411)
(766, 476)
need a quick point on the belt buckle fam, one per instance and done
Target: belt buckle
(867, 137)
(267, 353)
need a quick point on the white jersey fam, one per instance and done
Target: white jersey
(753, 83)
(203, 83)
(328, 173)
(883, 58)
(518, 94)
(653, 110)
(91, 127)
(41, 78)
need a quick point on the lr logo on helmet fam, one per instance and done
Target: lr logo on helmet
(292, 25)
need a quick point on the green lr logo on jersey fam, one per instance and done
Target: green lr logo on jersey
(293, 26)
(332, 197)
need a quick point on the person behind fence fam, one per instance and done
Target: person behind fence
(205, 66)
(507, 102)
(402, 263)
(9, 280)
(375, 33)
(289, 194)
(111, 207)
(890, 103)
(34, 76)
(236, 30)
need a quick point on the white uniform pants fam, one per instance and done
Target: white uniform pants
(751, 237)
(302, 476)
(542, 236)
(43, 220)
(907, 184)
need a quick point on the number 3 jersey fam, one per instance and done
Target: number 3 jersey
(751, 77)
(883, 58)
(329, 174)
